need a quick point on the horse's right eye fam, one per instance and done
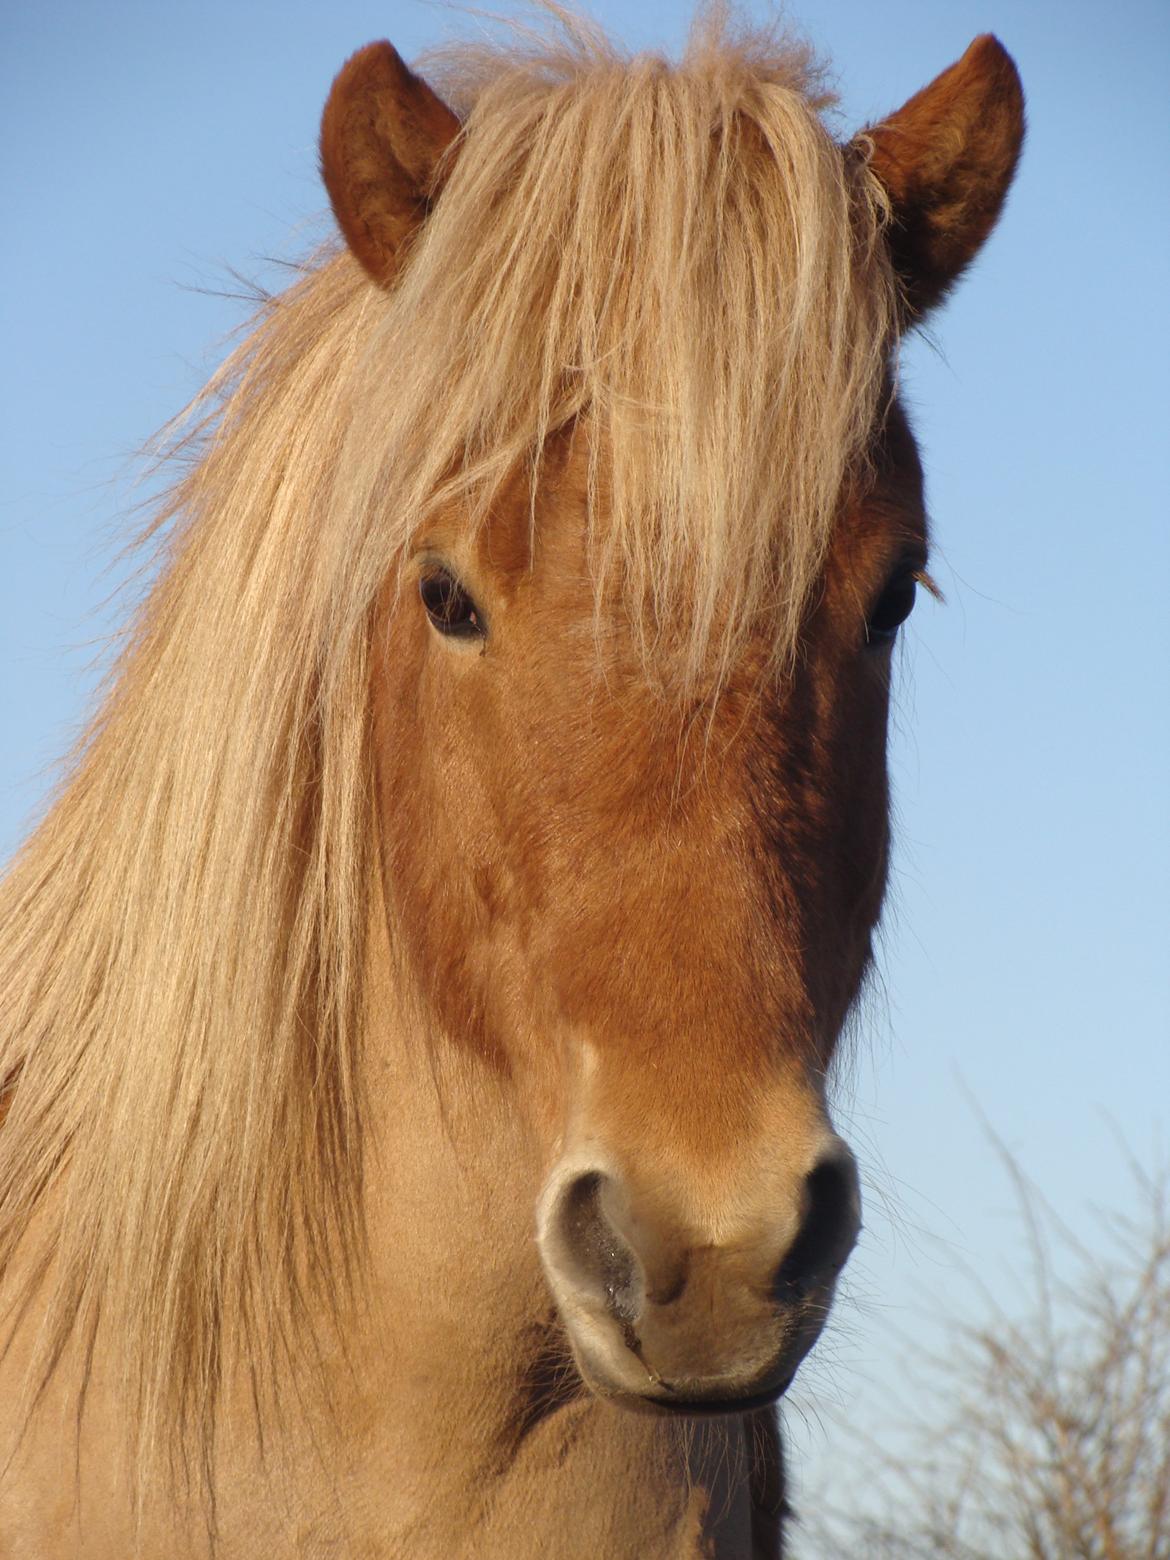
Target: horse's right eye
(449, 607)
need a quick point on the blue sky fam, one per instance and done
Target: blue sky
(1025, 971)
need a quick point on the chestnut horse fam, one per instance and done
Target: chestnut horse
(417, 1005)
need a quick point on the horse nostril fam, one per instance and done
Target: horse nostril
(828, 1231)
(583, 1242)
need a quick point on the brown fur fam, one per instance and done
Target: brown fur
(384, 134)
(348, 946)
(947, 159)
(579, 792)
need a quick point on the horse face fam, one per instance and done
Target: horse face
(655, 914)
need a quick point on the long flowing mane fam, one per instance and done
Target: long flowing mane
(677, 256)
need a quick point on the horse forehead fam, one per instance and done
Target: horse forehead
(544, 532)
(549, 525)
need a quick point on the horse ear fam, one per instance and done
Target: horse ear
(946, 160)
(383, 136)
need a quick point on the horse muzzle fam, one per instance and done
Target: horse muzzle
(664, 1315)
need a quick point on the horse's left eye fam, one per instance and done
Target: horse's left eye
(449, 607)
(894, 606)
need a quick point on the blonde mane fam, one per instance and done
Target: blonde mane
(679, 256)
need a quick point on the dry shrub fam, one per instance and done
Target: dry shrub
(1044, 1428)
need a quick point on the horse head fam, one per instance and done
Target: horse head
(631, 772)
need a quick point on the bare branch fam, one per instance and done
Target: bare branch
(1047, 1435)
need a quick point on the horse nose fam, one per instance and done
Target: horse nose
(589, 1252)
(607, 1258)
(829, 1226)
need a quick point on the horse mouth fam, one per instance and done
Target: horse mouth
(680, 1405)
(645, 1391)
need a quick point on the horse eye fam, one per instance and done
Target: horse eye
(894, 606)
(449, 607)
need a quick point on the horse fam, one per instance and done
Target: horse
(418, 1003)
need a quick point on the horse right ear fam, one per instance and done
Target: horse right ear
(384, 134)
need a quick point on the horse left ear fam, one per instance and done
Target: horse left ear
(383, 137)
(946, 160)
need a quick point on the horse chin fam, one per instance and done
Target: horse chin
(680, 1406)
(621, 1376)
